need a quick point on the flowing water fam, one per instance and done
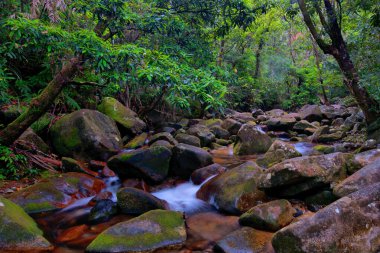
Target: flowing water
(69, 231)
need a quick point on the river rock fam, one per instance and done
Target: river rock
(134, 201)
(85, 135)
(304, 127)
(211, 122)
(311, 113)
(203, 133)
(350, 224)
(302, 174)
(366, 176)
(103, 210)
(231, 126)
(187, 158)
(151, 164)
(124, 116)
(157, 229)
(325, 134)
(56, 192)
(278, 152)
(137, 142)
(188, 139)
(270, 216)
(200, 175)
(276, 113)
(245, 240)
(30, 140)
(18, 231)
(252, 140)
(220, 132)
(234, 191)
(163, 136)
(283, 123)
(364, 158)
(257, 112)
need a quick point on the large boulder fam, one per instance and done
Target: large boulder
(231, 125)
(56, 192)
(188, 139)
(364, 158)
(283, 123)
(305, 127)
(302, 174)
(366, 176)
(137, 142)
(30, 140)
(85, 135)
(251, 140)
(124, 116)
(220, 132)
(163, 136)
(134, 201)
(270, 216)
(325, 134)
(187, 158)
(275, 113)
(151, 164)
(154, 230)
(311, 113)
(234, 191)
(278, 152)
(18, 231)
(245, 240)
(203, 133)
(202, 174)
(350, 224)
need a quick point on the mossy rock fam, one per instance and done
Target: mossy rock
(163, 136)
(86, 135)
(151, 164)
(122, 115)
(270, 216)
(188, 139)
(134, 201)
(234, 191)
(137, 142)
(278, 152)
(324, 149)
(42, 123)
(187, 158)
(251, 140)
(203, 133)
(157, 229)
(18, 231)
(56, 192)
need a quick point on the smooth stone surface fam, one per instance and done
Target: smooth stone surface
(187, 158)
(122, 115)
(245, 240)
(234, 191)
(200, 175)
(350, 224)
(151, 164)
(157, 229)
(251, 140)
(18, 231)
(86, 135)
(364, 177)
(302, 174)
(278, 152)
(270, 216)
(134, 201)
(57, 192)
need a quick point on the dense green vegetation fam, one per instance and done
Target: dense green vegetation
(187, 57)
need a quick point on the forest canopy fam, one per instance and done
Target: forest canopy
(192, 57)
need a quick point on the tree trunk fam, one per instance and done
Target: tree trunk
(256, 75)
(338, 49)
(39, 105)
(323, 97)
(221, 53)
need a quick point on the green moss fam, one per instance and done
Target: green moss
(152, 230)
(39, 207)
(324, 149)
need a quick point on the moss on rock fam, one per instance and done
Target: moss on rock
(157, 229)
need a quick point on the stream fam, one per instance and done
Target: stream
(68, 230)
